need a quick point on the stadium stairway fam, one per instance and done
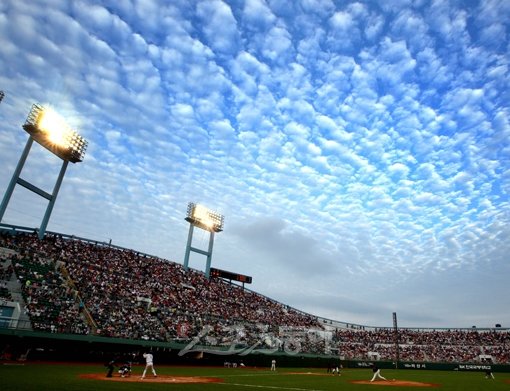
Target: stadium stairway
(14, 287)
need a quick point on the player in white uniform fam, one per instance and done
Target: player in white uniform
(149, 363)
(273, 365)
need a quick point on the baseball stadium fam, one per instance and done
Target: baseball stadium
(274, 195)
(78, 314)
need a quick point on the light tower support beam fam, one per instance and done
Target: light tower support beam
(35, 189)
(15, 177)
(188, 247)
(17, 180)
(209, 255)
(49, 208)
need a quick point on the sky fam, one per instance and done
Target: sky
(359, 150)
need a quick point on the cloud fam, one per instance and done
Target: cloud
(399, 170)
(257, 15)
(277, 45)
(219, 26)
(347, 144)
(344, 31)
(281, 243)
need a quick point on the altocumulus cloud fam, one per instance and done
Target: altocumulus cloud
(360, 149)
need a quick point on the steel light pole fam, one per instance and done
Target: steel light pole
(49, 130)
(201, 217)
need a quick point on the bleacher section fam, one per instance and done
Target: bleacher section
(425, 345)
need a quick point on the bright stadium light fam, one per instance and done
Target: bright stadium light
(201, 217)
(49, 130)
(204, 218)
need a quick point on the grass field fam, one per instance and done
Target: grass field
(67, 377)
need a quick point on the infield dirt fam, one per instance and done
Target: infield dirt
(151, 379)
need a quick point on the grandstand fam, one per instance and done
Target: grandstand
(72, 289)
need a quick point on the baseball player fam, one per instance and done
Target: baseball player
(336, 370)
(377, 373)
(125, 369)
(110, 365)
(149, 363)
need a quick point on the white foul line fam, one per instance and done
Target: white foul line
(271, 387)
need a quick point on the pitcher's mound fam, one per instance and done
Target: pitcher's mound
(152, 379)
(398, 383)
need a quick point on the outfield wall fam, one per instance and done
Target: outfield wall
(469, 367)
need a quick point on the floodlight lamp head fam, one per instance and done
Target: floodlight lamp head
(50, 130)
(204, 218)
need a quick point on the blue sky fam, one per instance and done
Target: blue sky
(360, 151)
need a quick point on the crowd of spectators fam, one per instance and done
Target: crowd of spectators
(5, 275)
(49, 301)
(443, 345)
(129, 295)
(74, 286)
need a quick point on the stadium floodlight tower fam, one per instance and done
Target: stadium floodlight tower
(48, 129)
(201, 217)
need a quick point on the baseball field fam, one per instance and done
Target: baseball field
(70, 377)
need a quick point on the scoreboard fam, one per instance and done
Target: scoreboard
(218, 273)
